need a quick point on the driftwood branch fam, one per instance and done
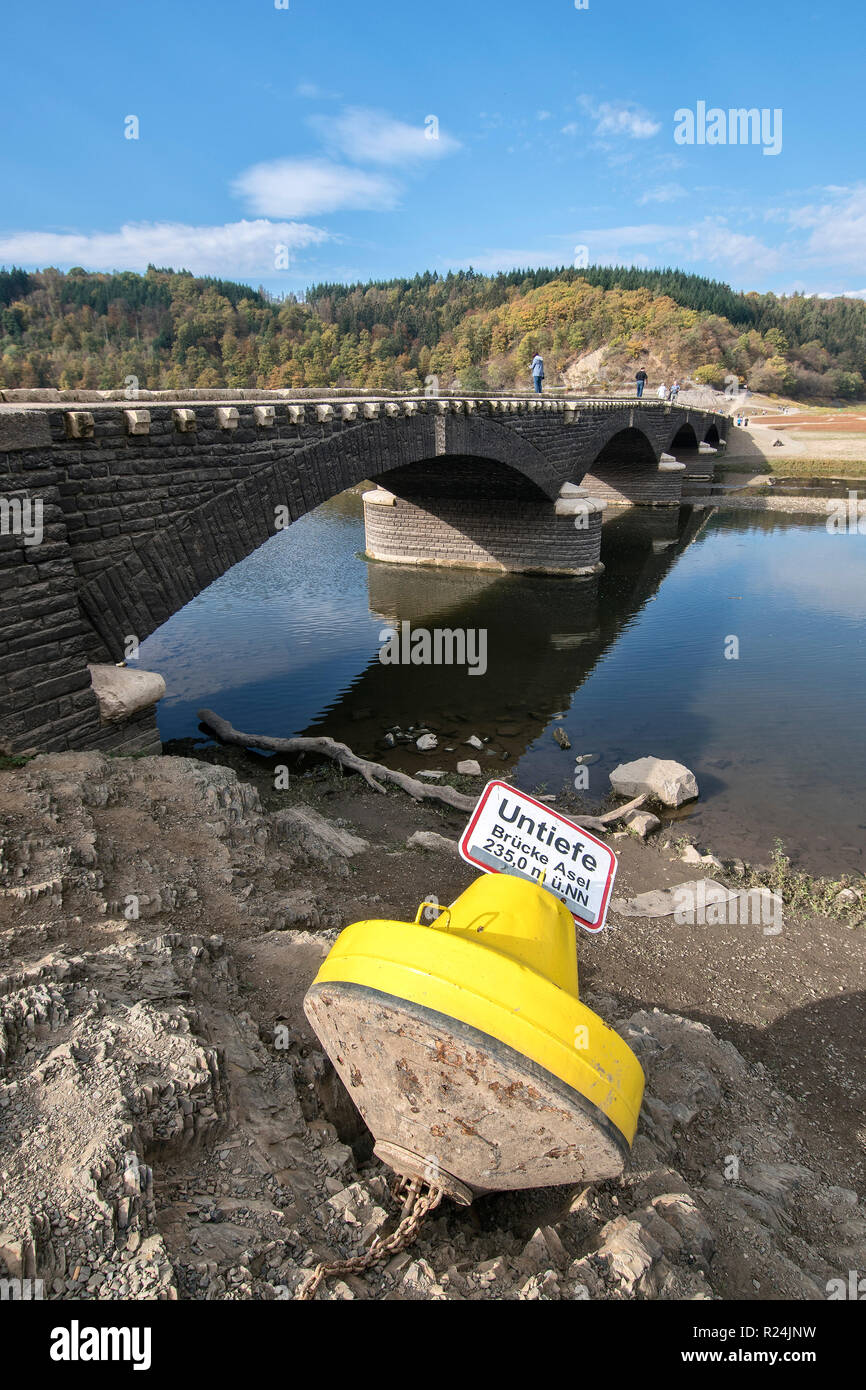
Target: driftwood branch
(600, 823)
(374, 774)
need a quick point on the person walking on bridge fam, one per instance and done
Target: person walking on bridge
(537, 372)
(662, 392)
(641, 379)
(675, 391)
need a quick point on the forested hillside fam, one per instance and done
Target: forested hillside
(170, 329)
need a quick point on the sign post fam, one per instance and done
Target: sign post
(513, 833)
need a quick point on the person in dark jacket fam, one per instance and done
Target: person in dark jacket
(641, 379)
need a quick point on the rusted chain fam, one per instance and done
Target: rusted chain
(416, 1206)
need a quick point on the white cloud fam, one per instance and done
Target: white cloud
(492, 261)
(663, 193)
(836, 294)
(620, 118)
(643, 244)
(374, 137)
(301, 187)
(236, 248)
(837, 227)
(311, 91)
(543, 115)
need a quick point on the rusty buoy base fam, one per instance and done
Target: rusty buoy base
(409, 1165)
(450, 1104)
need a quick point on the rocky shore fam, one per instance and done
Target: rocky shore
(170, 1128)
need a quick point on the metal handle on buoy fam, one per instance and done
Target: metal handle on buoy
(443, 912)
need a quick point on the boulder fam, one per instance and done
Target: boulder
(122, 692)
(430, 839)
(470, 767)
(426, 743)
(669, 782)
(317, 837)
(642, 823)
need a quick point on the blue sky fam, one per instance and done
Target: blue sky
(285, 146)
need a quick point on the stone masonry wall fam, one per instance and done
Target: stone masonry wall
(651, 487)
(514, 536)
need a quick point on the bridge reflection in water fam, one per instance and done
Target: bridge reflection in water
(544, 637)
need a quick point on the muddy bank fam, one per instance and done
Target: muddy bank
(169, 1127)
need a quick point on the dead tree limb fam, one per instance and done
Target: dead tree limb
(602, 822)
(374, 774)
(341, 753)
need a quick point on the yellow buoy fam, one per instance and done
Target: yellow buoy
(466, 1049)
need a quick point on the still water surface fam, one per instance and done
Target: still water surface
(631, 663)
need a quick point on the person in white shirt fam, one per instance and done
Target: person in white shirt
(662, 392)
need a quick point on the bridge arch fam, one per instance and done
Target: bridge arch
(684, 440)
(627, 471)
(156, 577)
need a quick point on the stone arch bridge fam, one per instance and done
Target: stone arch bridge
(114, 514)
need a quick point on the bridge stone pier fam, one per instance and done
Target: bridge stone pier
(116, 513)
(469, 513)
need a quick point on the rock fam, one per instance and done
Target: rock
(470, 767)
(540, 1287)
(474, 741)
(426, 743)
(682, 1213)
(418, 1279)
(429, 839)
(315, 835)
(642, 823)
(669, 782)
(542, 1250)
(12, 1255)
(493, 1271)
(712, 862)
(627, 1252)
(562, 738)
(846, 896)
(690, 900)
(690, 855)
(430, 774)
(121, 692)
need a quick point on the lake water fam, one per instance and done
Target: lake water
(631, 663)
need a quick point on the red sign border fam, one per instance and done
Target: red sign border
(542, 806)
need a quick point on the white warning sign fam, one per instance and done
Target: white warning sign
(513, 833)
